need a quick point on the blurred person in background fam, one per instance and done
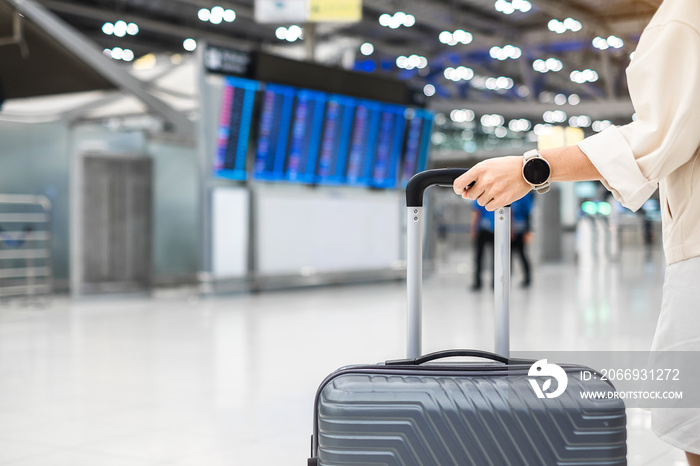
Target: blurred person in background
(521, 211)
(662, 147)
(481, 230)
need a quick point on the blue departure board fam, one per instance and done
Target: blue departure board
(420, 125)
(306, 134)
(233, 130)
(388, 147)
(273, 134)
(335, 138)
(363, 142)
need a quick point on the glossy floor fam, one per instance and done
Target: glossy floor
(182, 381)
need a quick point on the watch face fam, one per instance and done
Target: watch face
(536, 171)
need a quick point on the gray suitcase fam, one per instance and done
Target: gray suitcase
(427, 411)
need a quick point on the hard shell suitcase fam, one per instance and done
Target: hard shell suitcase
(421, 412)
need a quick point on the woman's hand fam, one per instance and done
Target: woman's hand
(496, 182)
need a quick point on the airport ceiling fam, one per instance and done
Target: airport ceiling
(164, 24)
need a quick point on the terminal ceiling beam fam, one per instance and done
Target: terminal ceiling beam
(87, 51)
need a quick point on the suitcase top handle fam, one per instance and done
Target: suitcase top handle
(449, 354)
(421, 181)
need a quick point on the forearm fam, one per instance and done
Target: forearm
(499, 181)
(570, 164)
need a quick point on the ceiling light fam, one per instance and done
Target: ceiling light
(108, 28)
(552, 64)
(120, 28)
(615, 42)
(581, 77)
(600, 43)
(522, 5)
(204, 14)
(189, 44)
(429, 90)
(397, 19)
(523, 91)
(118, 53)
(132, 29)
(492, 121)
(229, 16)
(462, 115)
(367, 48)
(572, 25)
(460, 36)
(554, 116)
(509, 51)
(560, 27)
(500, 132)
(541, 130)
(599, 126)
(519, 125)
(292, 34)
(464, 73)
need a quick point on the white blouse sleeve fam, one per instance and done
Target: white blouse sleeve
(664, 84)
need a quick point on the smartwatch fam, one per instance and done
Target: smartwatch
(536, 171)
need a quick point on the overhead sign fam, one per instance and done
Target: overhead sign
(281, 11)
(307, 11)
(337, 11)
(228, 61)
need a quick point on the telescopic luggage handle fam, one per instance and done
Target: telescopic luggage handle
(415, 190)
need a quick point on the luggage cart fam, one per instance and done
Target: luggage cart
(25, 248)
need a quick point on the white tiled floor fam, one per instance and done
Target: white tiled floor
(181, 381)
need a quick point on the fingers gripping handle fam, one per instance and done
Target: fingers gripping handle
(414, 253)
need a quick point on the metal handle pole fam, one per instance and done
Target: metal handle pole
(502, 280)
(414, 275)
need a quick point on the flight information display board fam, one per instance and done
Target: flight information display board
(363, 143)
(337, 125)
(233, 131)
(312, 137)
(420, 125)
(273, 133)
(388, 148)
(305, 137)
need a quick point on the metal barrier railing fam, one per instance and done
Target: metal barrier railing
(25, 247)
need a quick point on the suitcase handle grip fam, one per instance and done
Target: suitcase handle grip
(448, 354)
(423, 180)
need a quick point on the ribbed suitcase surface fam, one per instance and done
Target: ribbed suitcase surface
(472, 416)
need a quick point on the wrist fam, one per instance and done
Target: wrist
(536, 171)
